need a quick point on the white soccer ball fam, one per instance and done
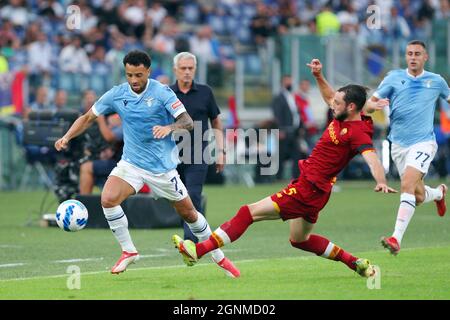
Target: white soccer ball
(71, 215)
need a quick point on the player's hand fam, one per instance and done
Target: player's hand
(160, 132)
(382, 187)
(220, 162)
(61, 144)
(380, 104)
(316, 67)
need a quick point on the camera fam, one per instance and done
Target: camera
(43, 128)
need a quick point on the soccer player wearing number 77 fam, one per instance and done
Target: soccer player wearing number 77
(412, 95)
(349, 134)
(150, 112)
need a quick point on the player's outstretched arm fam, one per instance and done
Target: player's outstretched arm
(377, 170)
(77, 128)
(375, 104)
(325, 88)
(183, 121)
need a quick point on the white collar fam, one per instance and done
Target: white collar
(415, 77)
(139, 94)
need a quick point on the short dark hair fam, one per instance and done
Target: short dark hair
(354, 93)
(418, 42)
(136, 58)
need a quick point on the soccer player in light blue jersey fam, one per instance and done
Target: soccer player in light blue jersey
(147, 109)
(412, 96)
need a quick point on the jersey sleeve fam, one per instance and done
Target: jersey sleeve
(385, 88)
(171, 102)
(361, 142)
(213, 108)
(445, 91)
(105, 104)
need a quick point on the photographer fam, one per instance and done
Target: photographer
(103, 151)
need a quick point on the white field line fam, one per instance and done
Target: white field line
(178, 266)
(19, 264)
(77, 260)
(10, 265)
(10, 246)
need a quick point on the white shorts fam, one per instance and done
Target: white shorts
(418, 156)
(165, 185)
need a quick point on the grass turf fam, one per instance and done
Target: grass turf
(34, 260)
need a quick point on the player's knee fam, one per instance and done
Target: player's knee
(86, 167)
(109, 200)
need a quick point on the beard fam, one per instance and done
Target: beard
(342, 116)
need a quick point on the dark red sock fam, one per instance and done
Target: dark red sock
(346, 258)
(315, 244)
(318, 244)
(234, 228)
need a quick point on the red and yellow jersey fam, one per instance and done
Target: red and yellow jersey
(340, 142)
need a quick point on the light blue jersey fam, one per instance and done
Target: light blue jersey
(156, 105)
(412, 104)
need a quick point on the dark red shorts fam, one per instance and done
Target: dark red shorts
(301, 199)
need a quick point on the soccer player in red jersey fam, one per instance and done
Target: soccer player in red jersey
(349, 134)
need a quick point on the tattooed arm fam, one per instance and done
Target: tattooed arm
(183, 121)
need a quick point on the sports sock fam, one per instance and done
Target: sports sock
(432, 194)
(118, 223)
(321, 246)
(202, 231)
(227, 232)
(404, 215)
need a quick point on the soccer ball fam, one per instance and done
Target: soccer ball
(71, 215)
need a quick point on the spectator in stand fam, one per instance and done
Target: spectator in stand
(348, 19)
(89, 98)
(157, 13)
(73, 58)
(164, 41)
(397, 30)
(114, 59)
(17, 13)
(89, 20)
(261, 26)
(8, 35)
(133, 14)
(327, 22)
(40, 57)
(288, 18)
(422, 24)
(60, 101)
(41, 102)
(443, 10)
(204, 46)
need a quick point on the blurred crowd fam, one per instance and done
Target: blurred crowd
(60, 50)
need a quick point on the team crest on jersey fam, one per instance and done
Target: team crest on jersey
(428, 83)
(149, 101)
(343, 131)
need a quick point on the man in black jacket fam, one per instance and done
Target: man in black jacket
(287, 118)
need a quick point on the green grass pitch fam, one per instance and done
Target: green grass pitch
(34, 261)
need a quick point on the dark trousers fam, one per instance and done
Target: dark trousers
(289, 150)
(193, 177)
